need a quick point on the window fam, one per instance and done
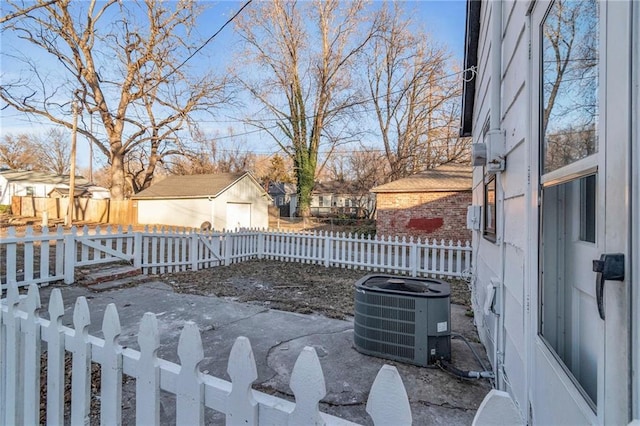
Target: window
(489, 211)
(30, 191)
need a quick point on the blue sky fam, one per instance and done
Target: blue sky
(443, 20)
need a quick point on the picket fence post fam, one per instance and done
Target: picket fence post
(69, 257)
(261, 237)
(12, 373)
(327, 249)
(190, 389)
(54, 336)
(28, 254)
(413, 257)
(242, 408)
(194, 238)
(30, 329)
(148, 372)
(137, 250)
(111, 372)
(60, 251)
(80, 348)
(12, 265)
(228, 247)
(388, 403)
(44, 254)
(308, 386)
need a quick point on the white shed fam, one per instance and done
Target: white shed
(552, 101)
(221, 201)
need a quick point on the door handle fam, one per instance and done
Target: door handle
(610, 267)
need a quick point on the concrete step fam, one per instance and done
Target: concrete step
(119, 283)
(98, 275)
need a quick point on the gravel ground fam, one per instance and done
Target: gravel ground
(288, 286)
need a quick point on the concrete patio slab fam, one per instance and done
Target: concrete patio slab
(277, 337)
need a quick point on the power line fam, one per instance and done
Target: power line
(364, 101)
(207, 41)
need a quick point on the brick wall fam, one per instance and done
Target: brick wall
(439, 215)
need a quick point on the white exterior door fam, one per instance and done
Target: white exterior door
(238, 215)
(581, 122)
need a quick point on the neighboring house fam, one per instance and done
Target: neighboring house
(338, 198)
(218, 201)
(431, 204)
(552, 101)
(281, 194)
(64, 193)
(98, 192)
(81, 191)
(27, 183)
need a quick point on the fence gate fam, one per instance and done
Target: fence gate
(99, 248)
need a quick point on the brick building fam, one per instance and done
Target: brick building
(430, 204)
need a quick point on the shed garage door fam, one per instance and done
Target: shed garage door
(238, 215)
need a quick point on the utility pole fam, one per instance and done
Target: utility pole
(91, 148)
(72, 178)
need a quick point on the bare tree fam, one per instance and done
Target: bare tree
(120, 61)
(53, 152)
(302, 53)
(21, 10)
(49, 153)
(363, 169)
(414, 96)
(208, 155)
(16, 152)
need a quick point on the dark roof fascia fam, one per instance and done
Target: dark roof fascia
(470, 76)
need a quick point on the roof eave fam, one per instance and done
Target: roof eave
(472, 34)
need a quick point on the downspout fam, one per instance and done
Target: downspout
(496, 164)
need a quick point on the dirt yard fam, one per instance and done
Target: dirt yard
(288, 286)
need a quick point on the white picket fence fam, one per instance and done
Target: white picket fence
(52, 256)
(22, 330)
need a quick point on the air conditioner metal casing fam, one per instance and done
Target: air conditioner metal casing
(406, 326)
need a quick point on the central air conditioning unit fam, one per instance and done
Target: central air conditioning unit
(404, 319)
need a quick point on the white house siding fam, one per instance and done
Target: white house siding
(244, 191)
(19, 189)
(511, 203)
(175, 212)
